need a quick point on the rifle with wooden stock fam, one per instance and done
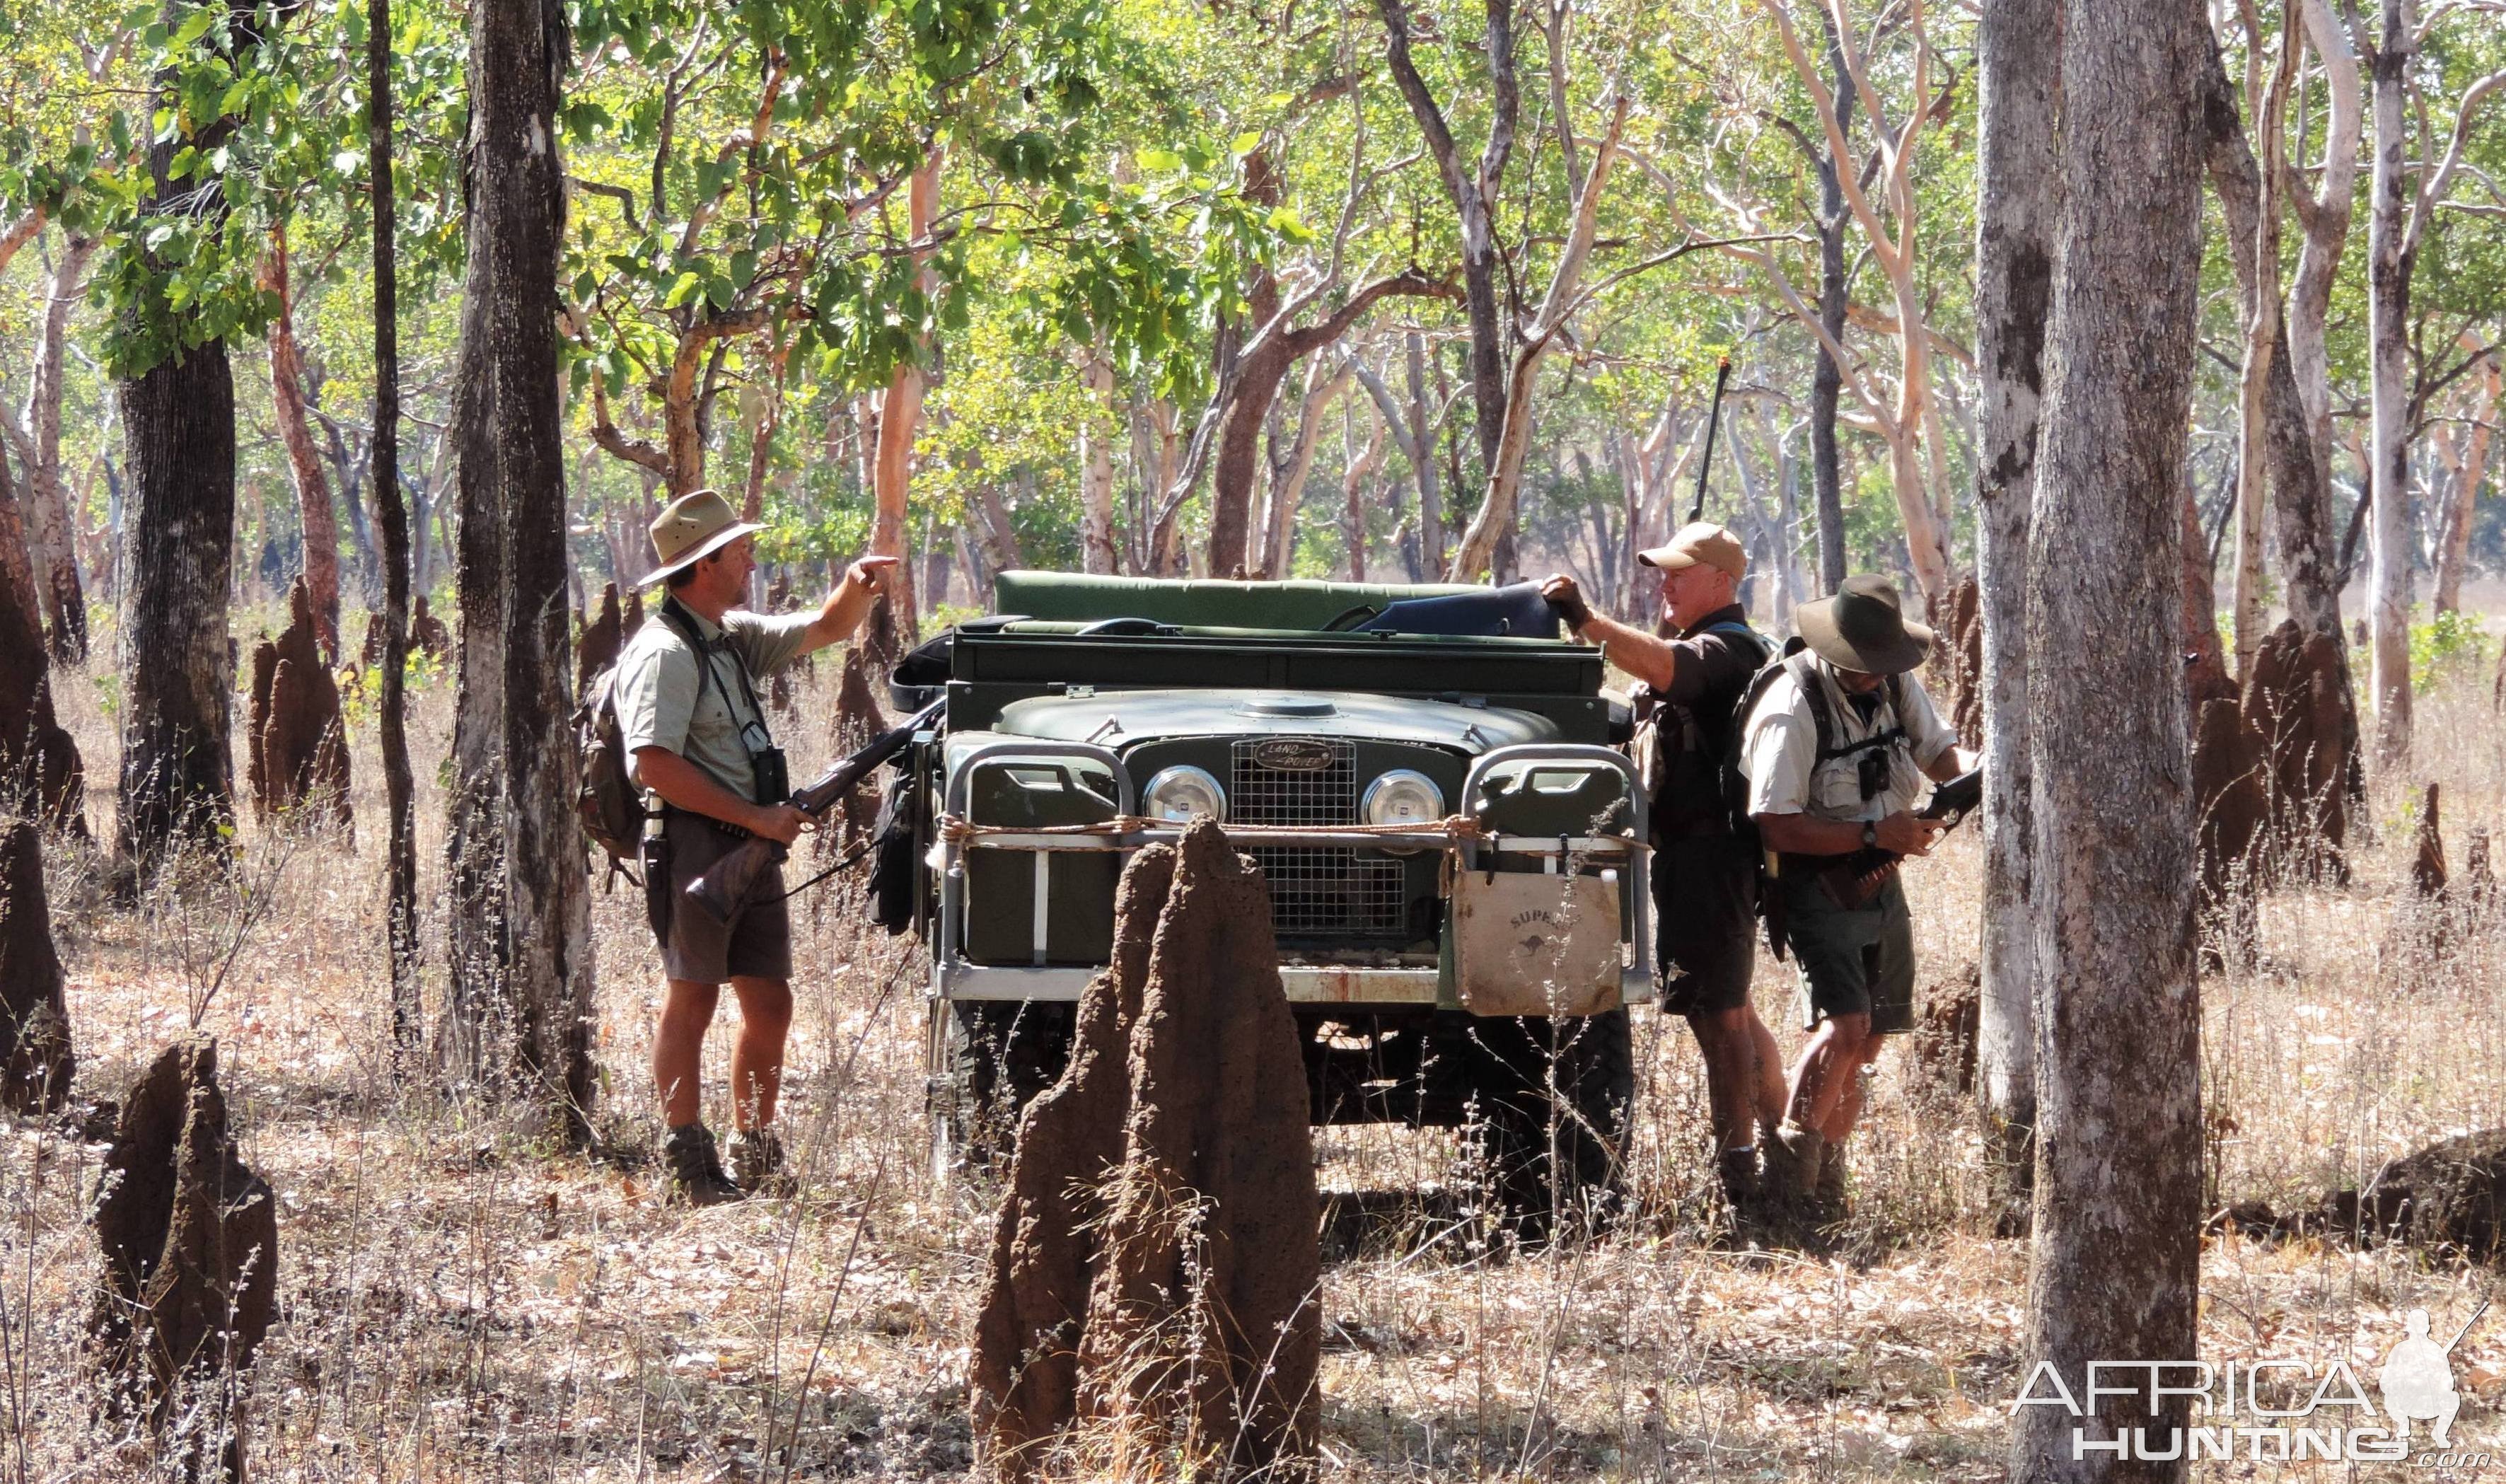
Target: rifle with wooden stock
(720, 890)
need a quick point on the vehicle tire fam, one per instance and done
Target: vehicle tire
(1553, 1160)
(1001, 1053)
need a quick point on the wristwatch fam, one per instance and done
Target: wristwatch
(1869, 834)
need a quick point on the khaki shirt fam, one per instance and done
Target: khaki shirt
(664, 701)
(1778, 753)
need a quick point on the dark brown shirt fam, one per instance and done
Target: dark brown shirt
(1708, 672)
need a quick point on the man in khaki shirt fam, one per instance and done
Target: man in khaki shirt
(1836, 751)
(686, 696)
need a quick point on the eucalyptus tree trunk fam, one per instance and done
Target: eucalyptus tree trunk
(2266, 103)
(392, 514)
(2324, 219)
(2468, 468)
(2390, 254)
(1420, 451)
(2019, 61)
(521, 1006)
(900, 419)
(52, 537)
(1323, 388)
(2114, 1272)
(1097, 472)
(320, 518)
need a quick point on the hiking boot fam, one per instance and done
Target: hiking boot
(696, 1178)
(1804, 1152)
(1742, 1190)
(757, 1161)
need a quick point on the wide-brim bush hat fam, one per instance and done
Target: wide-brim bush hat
(691, 527)
(1864, 628)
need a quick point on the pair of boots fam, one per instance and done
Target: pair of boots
(1799, 1168)
(697, 1175)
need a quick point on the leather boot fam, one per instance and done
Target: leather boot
(1805, 1153)
(696, 1178)
(1741, 1187)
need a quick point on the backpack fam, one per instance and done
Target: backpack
(606, 799)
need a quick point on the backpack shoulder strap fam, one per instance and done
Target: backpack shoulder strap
(1804, 670)
(1757, 643)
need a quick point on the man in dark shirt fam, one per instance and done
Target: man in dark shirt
(1704, 873)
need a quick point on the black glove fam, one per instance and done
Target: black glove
(1571, 607)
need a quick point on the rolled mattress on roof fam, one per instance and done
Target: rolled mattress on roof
(1200, 604)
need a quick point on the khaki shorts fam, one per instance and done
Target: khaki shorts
(755, 944)
(1854, 961)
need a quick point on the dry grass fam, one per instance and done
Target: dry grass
(460, 1304)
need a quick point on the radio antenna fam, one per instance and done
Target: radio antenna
(1714, 420)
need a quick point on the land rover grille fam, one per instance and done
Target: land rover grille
(1328, 893)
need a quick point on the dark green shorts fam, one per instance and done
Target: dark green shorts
(1858, 961)
(1705, 918)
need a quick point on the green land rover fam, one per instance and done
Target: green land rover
(1456, 854)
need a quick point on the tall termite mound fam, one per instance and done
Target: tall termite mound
(2295, 698)
(1154, 1260)
(596, 648)
(190, 1261)
(297, 743)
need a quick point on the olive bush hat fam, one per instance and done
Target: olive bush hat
(693, 526)
(1864, 628)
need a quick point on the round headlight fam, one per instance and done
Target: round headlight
(1403, 797)
(1182, 793)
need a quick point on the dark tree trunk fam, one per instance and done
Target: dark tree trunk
(35, 1061)
(2115, 1270)
(2019, 59)
(1827, 379)
(383, 466)
(177, 673)
(522, 952)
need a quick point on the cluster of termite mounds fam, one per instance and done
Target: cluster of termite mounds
(189, 1279)
(296, 744)
(427, 634)
(1155, 1261)
(2276, 768)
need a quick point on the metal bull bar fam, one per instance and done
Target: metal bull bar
(1458, 835)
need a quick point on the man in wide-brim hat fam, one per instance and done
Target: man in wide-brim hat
(686, 697)
(1837, 748)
